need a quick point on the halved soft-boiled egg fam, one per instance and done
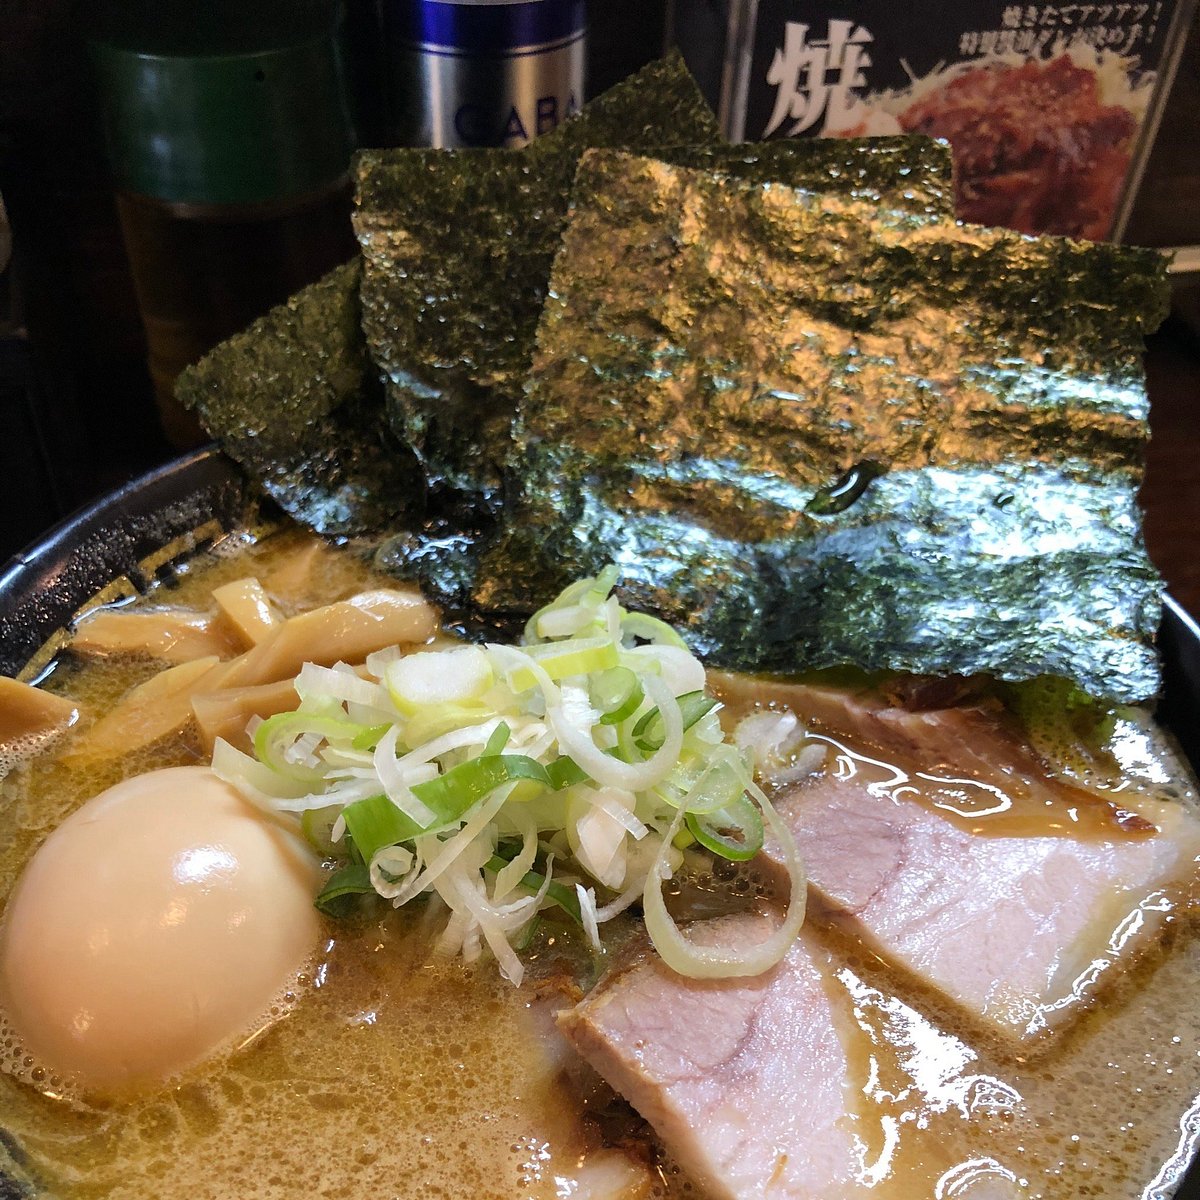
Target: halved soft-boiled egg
(152, 928)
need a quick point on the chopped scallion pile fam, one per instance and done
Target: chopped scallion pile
(560, 774)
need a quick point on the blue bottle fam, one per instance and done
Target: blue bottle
(483, 72)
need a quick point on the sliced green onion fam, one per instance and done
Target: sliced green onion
(316, 825)
(686, 957)
(648, 732)
(684, 838)
(532, 882)
(520, 857)
(461, 788)
(734, 832)
(376, 822)
(430, 678)
(565, 772)
(694, 706)
(368, 738)
(562, 660)
(603, 584)
(682, 670)
(258, 783)
(335, 898)
(650, 629)
(616, 694)
(498, 740)
(439, 719)
(276, 734)
(594, 741)
(583, 592)
(722, 780)
(526, 936)
(574, 735)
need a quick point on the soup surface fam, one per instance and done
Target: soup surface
(381, 1072)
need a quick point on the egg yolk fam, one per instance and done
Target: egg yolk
(152, 928)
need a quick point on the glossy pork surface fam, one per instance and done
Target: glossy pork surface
(746, 1081)
(1016, 930)
(803, 1083)
(941, 840)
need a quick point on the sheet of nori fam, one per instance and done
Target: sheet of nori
(294, 400)
(458, 250)
(912, 174)
(714, 356)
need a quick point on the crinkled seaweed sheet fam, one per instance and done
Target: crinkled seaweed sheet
(813, 421)
(813, 432)
(457, 252)
(455, 353)
(294, 400)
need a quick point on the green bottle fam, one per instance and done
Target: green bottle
(229, 139)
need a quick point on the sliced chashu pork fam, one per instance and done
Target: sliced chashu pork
(744, 1080)
(759, 1087)
(1016, 927)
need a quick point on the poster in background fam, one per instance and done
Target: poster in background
(1050, 107)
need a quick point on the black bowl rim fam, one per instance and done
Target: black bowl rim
(45, 585)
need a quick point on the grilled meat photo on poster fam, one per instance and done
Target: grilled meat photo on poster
(1045, 105)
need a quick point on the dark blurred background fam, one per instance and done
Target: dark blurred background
(77, 401)
(77, 404)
